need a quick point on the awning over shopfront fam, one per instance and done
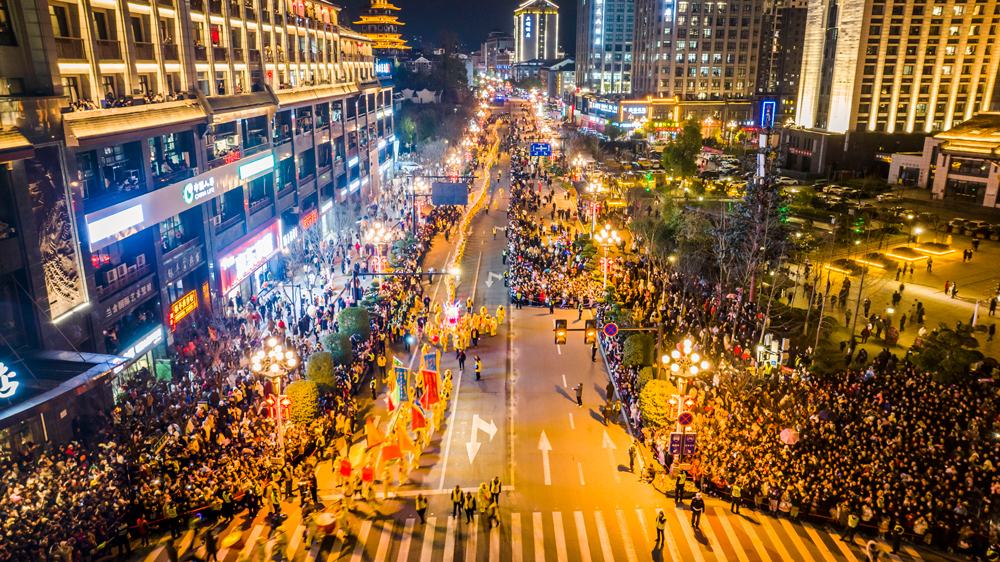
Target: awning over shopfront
(313, 94)
(87, 126)
(13, 145)
(225, 109)
(979, 135)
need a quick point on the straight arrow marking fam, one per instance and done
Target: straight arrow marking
(545, 447)
(609, 445)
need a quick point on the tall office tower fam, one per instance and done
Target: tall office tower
(896, 67)
(604, 31)
(697, 50)
(780, 65)
(381, 25)
(536, 31)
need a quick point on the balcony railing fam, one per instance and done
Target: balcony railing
(215, 6)
(109, 50)
(145, 51)
(201, 54)
(220, 54)
(238, 55)
(254, 55)
(312, 57)
(170, 52)
(251, 15)
(124, 281)
(167, 3)
(265, 17)
(198, 5)
(303, 57)
(234, 10)
(259, 204)
(70, 48)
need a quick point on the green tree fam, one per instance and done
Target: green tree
(304, 396)
(613, 132)
(654, 403)
(638, 351)
(407, 129)
(319, 368)
(529, 83)
(681, 154)
(355, 321)
(947, 352)
(339, 346)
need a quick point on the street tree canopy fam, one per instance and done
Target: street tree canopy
(947, 352)
(613, 132)
(304, 397)
(319, 367)
(654, 402)
(638, 350)
(355, 321)
(339, 346)
(680, 156)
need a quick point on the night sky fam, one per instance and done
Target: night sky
(471, 19)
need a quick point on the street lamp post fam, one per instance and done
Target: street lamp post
(606, 238)
(379, 235)
(273, 362)
(685, 366)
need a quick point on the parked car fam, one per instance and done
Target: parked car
(957, 222)
(785, 180)
(975, 224)
(834, 189)
(821, 183)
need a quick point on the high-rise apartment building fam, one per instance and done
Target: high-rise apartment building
(381, 24)
(604, 32)
(156, 158)
(896, 67)
(697, 50)
(498, 52)
(778, 74)
(536, 31)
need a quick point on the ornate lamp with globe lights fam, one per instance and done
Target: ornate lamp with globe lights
(684, 364)
(274, 362)
(606, 238)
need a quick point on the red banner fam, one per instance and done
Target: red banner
(368, 474)
(345, 468)
(430, 388)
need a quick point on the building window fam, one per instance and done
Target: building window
(7, 37)
(172, 156)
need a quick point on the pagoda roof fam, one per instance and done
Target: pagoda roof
(382, 4)
(379, 19)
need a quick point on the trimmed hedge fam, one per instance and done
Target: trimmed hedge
(355, 321)
(304, 396)
(319, 368)
(653, 403)
(339, 346)
(638, 350)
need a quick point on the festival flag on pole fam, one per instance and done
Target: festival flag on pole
(402, 377)
(391, 451)
(431, 383)
(396, 362)
(373, 436)
(417, 418)
(405, 443)
(431, 361)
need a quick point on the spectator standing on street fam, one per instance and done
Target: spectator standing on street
(579, 395)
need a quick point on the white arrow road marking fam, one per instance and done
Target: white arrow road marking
(489, 278)
(545, 447)
(608, 444)
(473, 446)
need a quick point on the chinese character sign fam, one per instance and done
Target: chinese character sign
(402, 384)
(431, 396)
(7, 386)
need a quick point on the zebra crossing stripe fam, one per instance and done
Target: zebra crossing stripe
(383, 544)
(779, 547)
(314, 551)
(734, 540)
(495, 544)
(706, 529)
(818, 541)
(888, 550)
(536, 527)
(688, 532)
(516, 548)
(602, 534)
(404, 545)
(252, 540)
(428, 547)
(293, 545)
(581, 533)
(629, 549)
(473, 534)
(841, 545)
(557, 524)
(449, 540)
(359, 549)
(754, 539)
(796, 539)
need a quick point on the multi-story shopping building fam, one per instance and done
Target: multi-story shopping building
(536, 30)
(697, 50)
(498, 53)
(604, 34)
(380, 24)
(896, 67)
(154, 173)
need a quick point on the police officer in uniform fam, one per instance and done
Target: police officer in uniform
(456, 501)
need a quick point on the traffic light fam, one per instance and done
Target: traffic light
(590, 332)
(560, 332)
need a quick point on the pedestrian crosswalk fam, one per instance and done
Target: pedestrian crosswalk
(612, 534)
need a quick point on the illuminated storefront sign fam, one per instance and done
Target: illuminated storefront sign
(145, 344)
(355, 185)
(242, 261)
(184, 306)
(603, 107)
(352, 162)
(119, 223)
(383, 67)
(198, 190)
(310, 218)
(7, 386)
(327, 207)
(290, 237)
(767, 111)
(257, 166)
(636, 109)
(527, 26)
